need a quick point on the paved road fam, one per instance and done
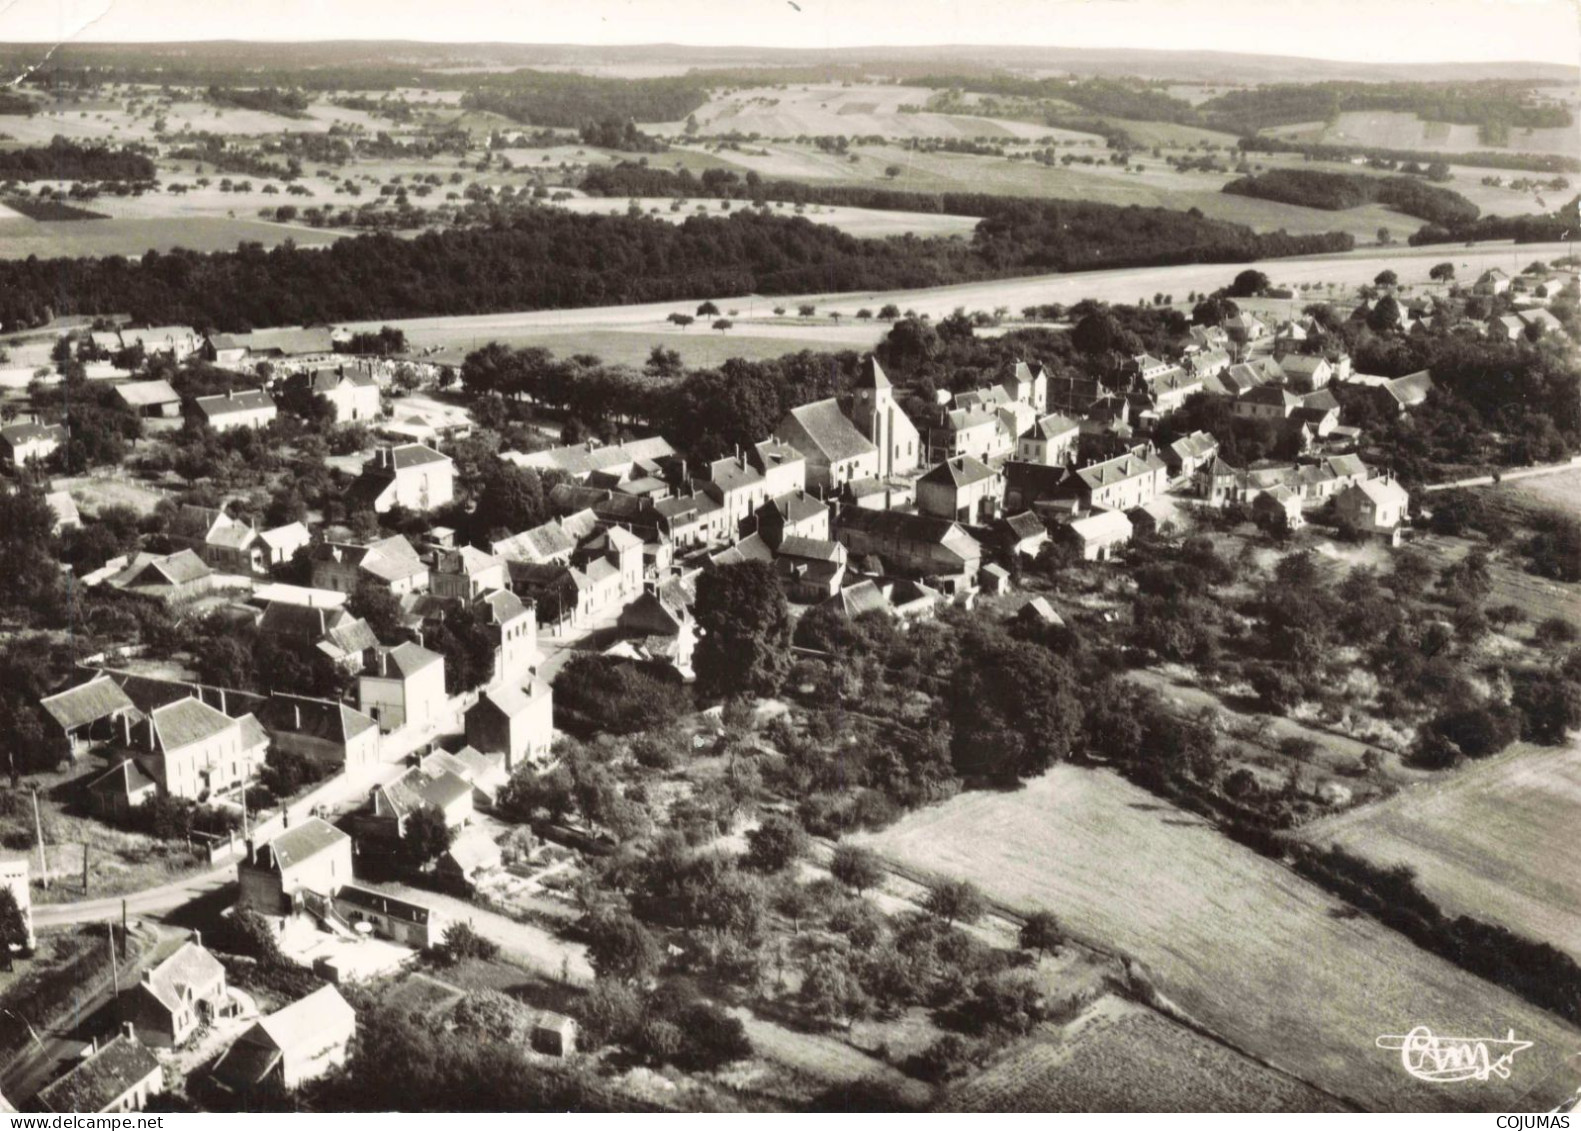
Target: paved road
(57, 1047)
(1507, 476)
(149, 901)
(531, 946)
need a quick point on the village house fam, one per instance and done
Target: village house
(389, 917)
(1373, 506)
(170, 1001)
(395, 802)
(269, 345)
(549, 542)
(413, 476)
(976, 432)
(150, 398)
(244, 408)
(1305, 372)
(794, 514)
(1121, 483)
(1245, 327)
(735, 485)
(466, 573)
(1208, 364)
(783, 468)
(961, 488)
(391, 563)
(1491, 282)
(193, 750)
(487, 774)
(175, 342)
(355, 396)
(634, 458)
(1188, 454)
(1096, 537)
(291, 1046)
(513, 722)
(280, 544)
(664, 626)
(1168, 388)
(917, 545)
(402, 685)
(1051, 440)
(1279, 505)
(809, 569)
(1268, 402)
(314, 857)
(167, 578)
(1021, 535)
(328, 733)
(30, 443)
(120, 790)
(223, 542)
(120, 1076)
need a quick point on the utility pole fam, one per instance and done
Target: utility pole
(84, 867)
(115, 966)
(38, 831)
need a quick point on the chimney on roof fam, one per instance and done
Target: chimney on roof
(147, 978)
(197, 937)
(296, 710)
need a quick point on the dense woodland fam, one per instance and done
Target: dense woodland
(546, 98)
(268, 99)
(66, 160)
(1337, 191)
(547, 258)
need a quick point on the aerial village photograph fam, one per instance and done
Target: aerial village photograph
(798, 556)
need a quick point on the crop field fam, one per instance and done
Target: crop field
(1399, 130)
(863, 222)
(1537, 597)
(1121, 1056)
(1255, 954)
(1494, 840)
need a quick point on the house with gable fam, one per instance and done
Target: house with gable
(1374, 506)
(783, 468)
(402, 685)
(413, 476)
(119, 1076)
(793, 514)
(466, 573)
(961, 488)
(89, 715)
(514, 722)
(150, 398)
(312, 857)
(291, 1046)
(329, 733)
(355, 396)
(391, 563)
(192, 750)
(171, 1000)
(223, 542)
(238, 408)
(1052, 440)
(913, 545)
(30, 443)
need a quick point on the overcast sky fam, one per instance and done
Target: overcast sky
(1363, 30)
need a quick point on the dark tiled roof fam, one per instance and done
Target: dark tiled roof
(99, 698)
(303, 842)
(100, 1080)
(830, 430)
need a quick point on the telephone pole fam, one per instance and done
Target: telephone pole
(38, 831)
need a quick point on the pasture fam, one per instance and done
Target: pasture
(1560, 491)
(132, 236)
(1254, 953)
(1494, 840)
(1120, 1056)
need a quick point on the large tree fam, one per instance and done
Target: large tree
(745, 631)
(1013, 706)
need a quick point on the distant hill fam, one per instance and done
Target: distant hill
(1180, 66)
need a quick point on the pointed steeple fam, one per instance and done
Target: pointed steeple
(872, 375)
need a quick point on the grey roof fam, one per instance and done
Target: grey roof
(303, 842)
(1117, 470)
(315, 718)
(187, 721)
(830, 430)
(959, 471)
(191, 968)
(26, 433)
(102, 1079)
(226, 404)
(99, 698)
(307, 1023)
(142, 394)
(407, 659)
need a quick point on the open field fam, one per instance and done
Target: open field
(133, 236)
(1537, 597)
(868, 223)
(1257, 955)
(93, 493)
(1120, 1056)
(1561, 490)
(829, 109)
(1128, 286)
(1494, 840)
(1392, 129)
(756, 340)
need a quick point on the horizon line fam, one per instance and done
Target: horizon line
(851, 49)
